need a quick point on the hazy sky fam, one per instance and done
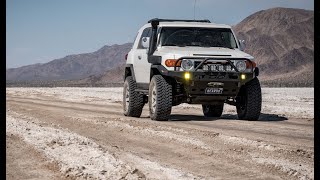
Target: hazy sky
(39, 31)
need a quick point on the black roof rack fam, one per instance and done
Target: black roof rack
(177, 20)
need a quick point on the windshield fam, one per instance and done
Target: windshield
(192, 36)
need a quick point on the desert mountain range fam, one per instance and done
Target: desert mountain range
(280, 39)
(73, 66)
(282, 42)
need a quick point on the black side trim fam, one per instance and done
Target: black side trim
(142, 86)
(162, 70)
(131, 73)
(256, 71)
(154, 59)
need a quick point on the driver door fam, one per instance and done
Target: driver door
(141, 65)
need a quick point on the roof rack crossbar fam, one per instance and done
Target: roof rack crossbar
(177, 20)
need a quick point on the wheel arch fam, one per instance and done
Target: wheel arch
(154, 71)
(129, 72)
(157, 69)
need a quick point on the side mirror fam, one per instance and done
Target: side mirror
(242, 45)
(145, 42)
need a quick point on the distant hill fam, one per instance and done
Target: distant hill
(114, 75)
(280, 39)
(72, 66)
(282, 42)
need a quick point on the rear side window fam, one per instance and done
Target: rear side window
(146, 33)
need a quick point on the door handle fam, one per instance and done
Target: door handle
(139, 57)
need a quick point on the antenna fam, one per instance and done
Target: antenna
(194, 10)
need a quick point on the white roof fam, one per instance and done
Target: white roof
(193, 24)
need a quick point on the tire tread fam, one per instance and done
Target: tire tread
(254, 100)
(164, 99)
(136, 102)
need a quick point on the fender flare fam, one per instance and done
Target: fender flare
(129, 72)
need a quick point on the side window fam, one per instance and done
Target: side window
(146, 33)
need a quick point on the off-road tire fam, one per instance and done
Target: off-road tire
(212, 110)
(132, 100)
(160, 98)
(249, 100)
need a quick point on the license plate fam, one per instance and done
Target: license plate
(214, 90)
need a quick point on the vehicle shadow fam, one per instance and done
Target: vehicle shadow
(180, 117)
(263, 117)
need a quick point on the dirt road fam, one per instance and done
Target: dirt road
(82, 133)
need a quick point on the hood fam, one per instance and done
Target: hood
(177, 52)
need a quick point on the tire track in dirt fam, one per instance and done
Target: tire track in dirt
(180, 109)
(69, 107)
(236, 131)
(166, 152)
(23, 161)
(116, 109)
(80, 157)
(237, 158)
(303, 135)
(202, 125)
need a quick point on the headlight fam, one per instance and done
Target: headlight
(241, 66)
(187, 64)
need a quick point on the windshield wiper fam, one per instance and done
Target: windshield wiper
(192, 45)
(169, 45)
(179, 45)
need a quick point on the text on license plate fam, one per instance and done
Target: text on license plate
(214, 90)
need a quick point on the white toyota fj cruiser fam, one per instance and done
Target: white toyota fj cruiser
(189, 61)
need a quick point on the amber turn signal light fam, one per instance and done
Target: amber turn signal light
(248, 64)
(172, 62)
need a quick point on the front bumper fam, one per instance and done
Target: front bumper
(193, 89)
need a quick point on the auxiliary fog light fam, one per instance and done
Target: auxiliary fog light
(187, 75)
(243, 76)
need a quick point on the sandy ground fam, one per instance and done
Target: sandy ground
(23, 161)
(81, 133)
